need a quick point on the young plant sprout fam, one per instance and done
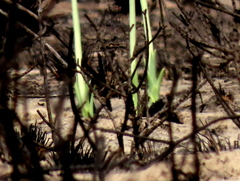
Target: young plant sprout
(84, 97)
(154, 80)
(132, 44)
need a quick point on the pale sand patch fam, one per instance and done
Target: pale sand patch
(212, 167)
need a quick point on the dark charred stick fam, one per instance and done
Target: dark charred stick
(195, 62)
(225, 106)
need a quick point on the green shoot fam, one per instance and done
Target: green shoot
(154, 81)
(84, 98)
(132, 44)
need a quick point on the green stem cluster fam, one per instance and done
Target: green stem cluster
(154, 80)
(83, 96)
